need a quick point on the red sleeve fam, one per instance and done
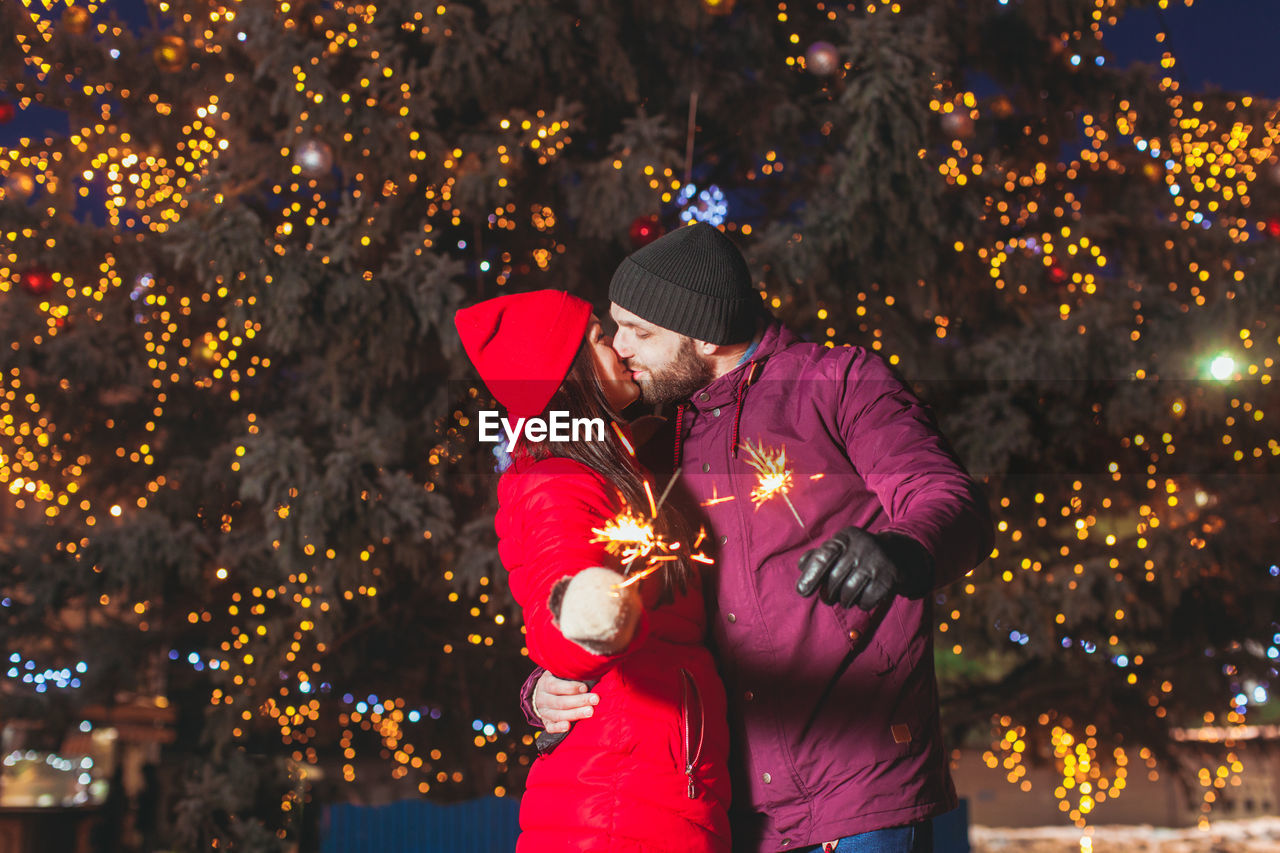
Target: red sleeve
(896, 448)
(553, 519)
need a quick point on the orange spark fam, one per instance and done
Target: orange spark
(622, 437)
(715, 497)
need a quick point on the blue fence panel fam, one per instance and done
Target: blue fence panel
(488, 825)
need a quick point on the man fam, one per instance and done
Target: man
(833, 705)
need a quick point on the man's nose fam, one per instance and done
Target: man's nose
(621, 346)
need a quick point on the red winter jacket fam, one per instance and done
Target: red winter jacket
(618, 782)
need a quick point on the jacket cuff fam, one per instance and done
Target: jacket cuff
(526, 698)
(916, 570)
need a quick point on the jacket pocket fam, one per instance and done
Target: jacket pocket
(861, 634)
(691, 736)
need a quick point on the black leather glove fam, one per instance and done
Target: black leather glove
(857, 567)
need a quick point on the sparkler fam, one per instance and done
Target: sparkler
(632, 537)
(774, 478)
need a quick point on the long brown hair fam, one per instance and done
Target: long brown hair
(582, 396)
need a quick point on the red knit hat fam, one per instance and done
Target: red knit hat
(522, 344)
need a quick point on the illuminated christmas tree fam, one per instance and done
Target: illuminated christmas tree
(236, 430)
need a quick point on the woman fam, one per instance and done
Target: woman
(648, 770)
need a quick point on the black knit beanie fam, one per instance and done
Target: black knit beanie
(693, 281)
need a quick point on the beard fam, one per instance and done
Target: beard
(678, 380)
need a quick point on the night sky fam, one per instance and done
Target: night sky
(1224, 44)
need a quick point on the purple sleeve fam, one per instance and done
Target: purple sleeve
(896, 448)
(526, 697)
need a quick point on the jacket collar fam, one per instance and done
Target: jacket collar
(729, 390)
(723, 390)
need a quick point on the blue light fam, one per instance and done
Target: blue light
(347, 698)
(193, 658)
(305, 687)
(86, 726)
(462, 244)
(1274, 570)
(361, 707)
(1141, 145)
(414, 716)
(488, 730)
(1089, 648)
(710, 206)
(1273, 652)
(484, 266)
(1122, 660)
(1174, 189)
(1066, 642)
(1240, 699)
(1098, 60)
(1260, 695)
(477, 725)
(1075, 59)
(173, 654)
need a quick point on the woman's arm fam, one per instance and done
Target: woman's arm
(556, 517)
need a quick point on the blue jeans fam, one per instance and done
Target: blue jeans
(917, 838)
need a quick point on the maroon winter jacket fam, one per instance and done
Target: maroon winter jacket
(833, 713)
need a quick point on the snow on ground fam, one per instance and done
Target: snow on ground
(1259, 835)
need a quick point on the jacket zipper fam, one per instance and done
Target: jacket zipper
(688, 689)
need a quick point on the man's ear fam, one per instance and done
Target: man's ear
(707, 349)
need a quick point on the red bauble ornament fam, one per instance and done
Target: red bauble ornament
(1273, 226)
(37, 281)
(958, 124)
(644, 230)
(6, 112)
